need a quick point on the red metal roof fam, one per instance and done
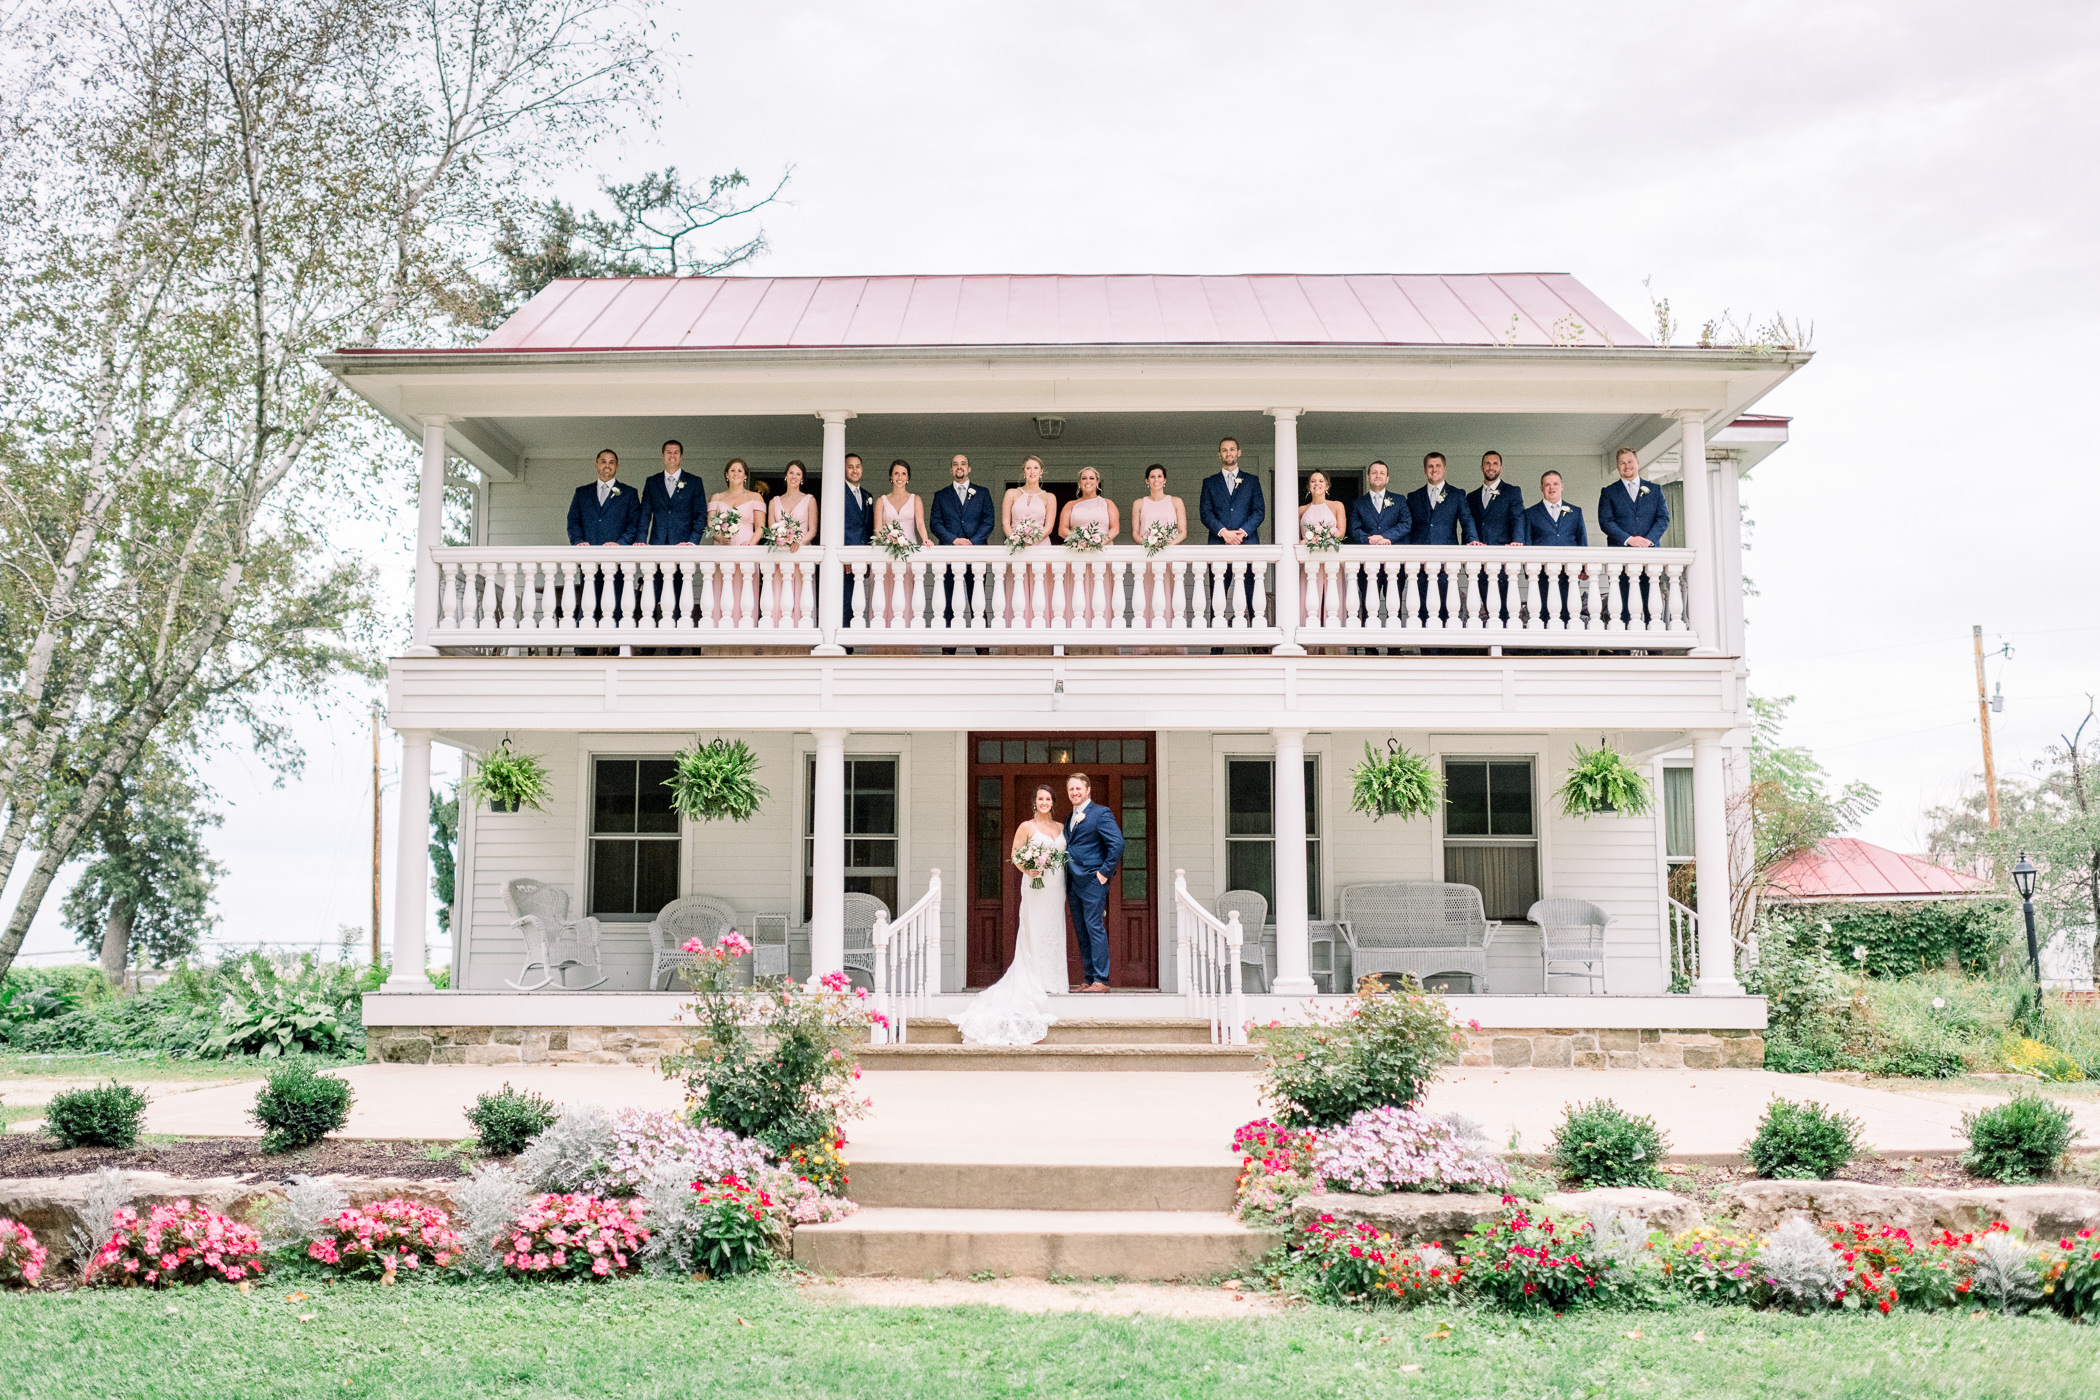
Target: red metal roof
(668, 313)
(1844, 868)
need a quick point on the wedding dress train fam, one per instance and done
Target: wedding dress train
(1015, 1010)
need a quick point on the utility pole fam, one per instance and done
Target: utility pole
(375, 831)
(1983, 713)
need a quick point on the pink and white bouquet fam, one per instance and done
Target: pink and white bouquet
(1157, 536)
(574, 1236)
(380, 1239)
(1036, 858)
(1321, 537)
(723, 522)
(1089, 538)
(21, 1257)
(175, 1244)
(891, 539)
(784, 533)
(1026, 535)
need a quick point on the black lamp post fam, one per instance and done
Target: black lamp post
(2023, 875)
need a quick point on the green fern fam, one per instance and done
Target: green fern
(1603, 781)
(508, 781)
(717, 780)
(1395, 784)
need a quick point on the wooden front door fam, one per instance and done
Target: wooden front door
(1004, 772)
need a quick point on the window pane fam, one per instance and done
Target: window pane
(1013, 752)
(883, 887)
(1135, 822)
(1248, 810)
(1509, 798)
(1465, 799)
(1038, 750)
(1112, 751)
(872, 813)
(1677, 813)
(1251, 865)
(1137, 884)
(1312, 879)
(613, 801)
(1084, 751)
(612, 877)
(653, 810)
(1506, 876)
(864, 854)
(1133, 750)
(987, 750)
(1134, 794)
(809, 790)
(1060, 751)
(656, 875)
(1312, 797)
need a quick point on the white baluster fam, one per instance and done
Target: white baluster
(1057, 569)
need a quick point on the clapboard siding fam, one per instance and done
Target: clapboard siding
(1610, 861)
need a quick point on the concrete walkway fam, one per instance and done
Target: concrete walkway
(1134, 1119)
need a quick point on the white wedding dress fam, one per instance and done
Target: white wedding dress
(1015, 1010)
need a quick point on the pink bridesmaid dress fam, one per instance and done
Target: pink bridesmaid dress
(1020, 606)
(1312, 595)
(1079, 600)
(1153, 574)
(891, 579)
(730, 582)
(787, 586)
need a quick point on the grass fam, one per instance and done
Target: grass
(132, 1067)
(638, 1340)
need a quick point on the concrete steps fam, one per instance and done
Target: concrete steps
(1055, 1056)
(915, 1242)
(1089, 1030)
(1008, 1186)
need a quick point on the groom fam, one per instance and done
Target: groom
(1093, 848)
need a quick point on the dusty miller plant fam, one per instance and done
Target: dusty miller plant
(574, 1154)
(1803, 1270)
(309, 1203)
(108, 1193)
(2008, 1275)
(483, 1208)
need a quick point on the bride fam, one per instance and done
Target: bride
(1015, 1010)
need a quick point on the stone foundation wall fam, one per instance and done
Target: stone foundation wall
(1611, 1049)
(520, 1045)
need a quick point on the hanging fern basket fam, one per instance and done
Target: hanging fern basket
(508, 781)
(717, 780)
(1602, 782)
(1396, 783)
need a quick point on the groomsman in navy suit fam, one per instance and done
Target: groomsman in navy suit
(1093, 850)
(1231, 508)
(674, 507)
(1555, 522)
(1498, 511)
(1440, 515)
(1633, 514)
(605, 511)
(961, 516)
(860, 528)
(1378, 517)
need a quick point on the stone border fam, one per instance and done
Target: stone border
(1602, 1048)
(521, 1045)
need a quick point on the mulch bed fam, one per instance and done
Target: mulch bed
(34, 1154)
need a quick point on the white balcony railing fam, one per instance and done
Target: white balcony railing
(1401, 594)
(665, 595)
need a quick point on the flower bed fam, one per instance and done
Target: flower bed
(380, 1239)
(574, 1236)
(175, 1244)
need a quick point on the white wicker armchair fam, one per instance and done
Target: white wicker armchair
(698, 916)
(1571, 931)
(1253, 908)
(554, 943)
(860, 911)
(1417, 926)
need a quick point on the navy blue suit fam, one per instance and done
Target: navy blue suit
(1093, 846)
(1646, 516)
(1500, 521)
(1449, 522)
(679, 519)
(1393, 523)
(1239, 509)
(1543, 531)
(618, 521)
(952, 520)
(860, 529)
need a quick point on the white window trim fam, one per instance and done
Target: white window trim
(1535, 747)
(1261, 744)
(589, 749)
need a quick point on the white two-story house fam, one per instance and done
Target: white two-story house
(901, 732)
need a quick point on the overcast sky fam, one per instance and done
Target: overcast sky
(1918, 180)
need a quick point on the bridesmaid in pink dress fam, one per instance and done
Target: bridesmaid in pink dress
(1312, 598)
(793, 503)
(903, 507)
(1026, 504)
(750, 508)
(1092, 508)
(1156, 507)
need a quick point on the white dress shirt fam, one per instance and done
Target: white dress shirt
(605, 490)
(1633, 489)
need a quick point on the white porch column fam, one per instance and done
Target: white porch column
(827, 914)
(1283, 520)
(1728, 552)
(430, 530)
(831, 527)
(1699, 532)
(1293, 951)
(411, 864)
(1710, 851)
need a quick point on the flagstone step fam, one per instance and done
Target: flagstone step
(1044, 1186)
(1089, 1030)
(1126, 1058)
(921, 1243)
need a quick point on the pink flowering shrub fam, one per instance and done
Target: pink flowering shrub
(175, 1244)
(1404, 1149)
(1275, 1169)
(21, 1257)
(379, 1239)
(801, 1200)
(642, 1139)
(573, 1236)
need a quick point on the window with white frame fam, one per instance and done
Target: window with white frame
(1491, 837)
(634, 838)
(871, 829)
(1250, 829)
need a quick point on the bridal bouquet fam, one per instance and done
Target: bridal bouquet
(1089, 538)
(784, 533)
(892, 540)
(1321, 538)
(1037, 859)
(1027, 533)
(1158, 535)
(723, 522)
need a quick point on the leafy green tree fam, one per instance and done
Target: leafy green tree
(1788, 806)
(444, 842)
(149, 888)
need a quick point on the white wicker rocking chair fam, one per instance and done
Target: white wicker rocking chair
(554, 943)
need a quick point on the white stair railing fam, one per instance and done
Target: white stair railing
(1209, 960)
(907, 963)
(1684, 942)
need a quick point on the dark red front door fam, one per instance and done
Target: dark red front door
(1004, 773)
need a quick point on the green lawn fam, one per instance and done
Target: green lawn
(637, 1340)
(134, 1067)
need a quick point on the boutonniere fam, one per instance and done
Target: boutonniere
(1644, 490)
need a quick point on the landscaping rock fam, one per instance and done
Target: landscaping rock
(1410, 1217)
(1659, 1210)
(2042, 1212)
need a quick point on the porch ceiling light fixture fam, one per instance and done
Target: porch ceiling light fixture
(1049, 427)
